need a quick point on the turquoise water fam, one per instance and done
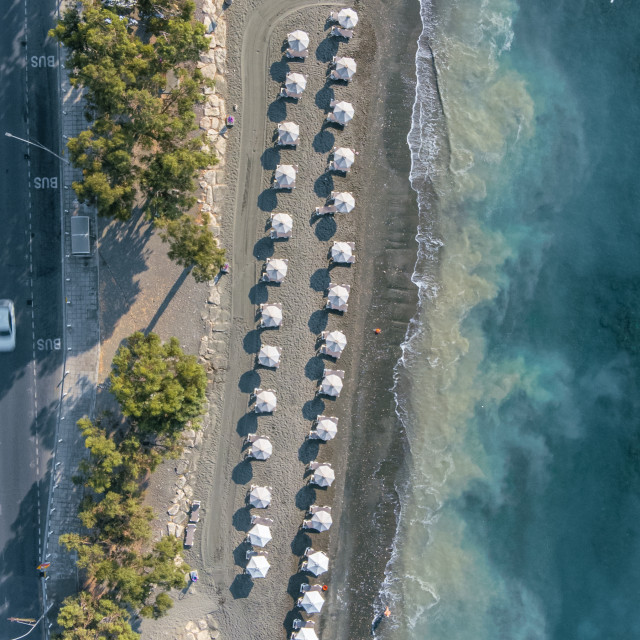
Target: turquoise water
(519, 384)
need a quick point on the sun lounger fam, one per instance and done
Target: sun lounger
(290, 53)
(339, 32)
(322, 211)
(285, 93)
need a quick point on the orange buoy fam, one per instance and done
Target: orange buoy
(377, 330)
(324, 587)
(387, 612)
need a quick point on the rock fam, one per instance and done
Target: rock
(171, 528)
(222, 105)
(202, 624)
(218, 193)
(212, 622)
(189, 636)
(209, 176)
(206, 208)
(214, 296)
(213, 43)
(203, 346)
(214, 635)
(180, 492)
(209, 71)
(173, 509)
(179, 531)
(220, 56)
(215, 123)
(205, 123)
(221, 32)
(220, 176)
(221, 146)
(180, 517)
(209, 8)
(188, 491)
(209, 196)
(203, 635)
(199, 438)
(213, 100)
(181, 467)
(180, 482)
(190, 433)
(192, 626)
(207, 58)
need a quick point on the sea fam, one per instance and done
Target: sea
(519, 385)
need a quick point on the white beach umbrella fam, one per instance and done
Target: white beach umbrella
(345, 68)
(341, 252)
(260, 497)
(271, 315)
(306, 633)
(258, 567)
(261, 449)
(343, 158)
(331, 385)
(318, 563)
(298, 40)
(338, 296)
(343, 112)
(259, 535)
(285, 176)
(324, 476)
(321, 521)
(276, 269)
(336, 341)
(326, 429)
(344, 202)
(347, 18)
(295, 82)
(288, 133)
(266, 401)
(312, 602)
(269, 356)
(282, 222)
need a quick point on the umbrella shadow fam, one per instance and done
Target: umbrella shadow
(326, 228)
(308, 450)
(258, 294)
(323, 186)
(263, 249)
(249, 380)
(324, 97)
(293, 588)
(270, 158)
(324, 141)
(318, 321)
(328, 48)
(277, 110)
(312, 408)
(247, 424)
(314, 368)
(302, 539)
(305, 497)
(288, 620)
(278, 70)
(268, 200)
(320, 280)
(251, 342)
(241, 586)
(242, 520)
(242, 473)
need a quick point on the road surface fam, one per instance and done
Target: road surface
(30, 276)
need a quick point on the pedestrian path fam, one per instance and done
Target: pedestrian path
(82, 348)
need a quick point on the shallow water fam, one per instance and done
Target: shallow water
(519, 381)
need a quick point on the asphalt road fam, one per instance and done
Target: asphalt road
(30, 275)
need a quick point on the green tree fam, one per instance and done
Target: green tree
(98, 469)
(159, 387)
(194, 247)
(84, 617)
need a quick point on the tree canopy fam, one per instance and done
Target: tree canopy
(142, 145)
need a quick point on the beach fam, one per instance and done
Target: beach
(382, 227)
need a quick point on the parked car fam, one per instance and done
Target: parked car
(194, 516)
(7, 326)
(189, 535)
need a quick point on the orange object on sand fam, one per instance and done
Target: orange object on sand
(377, 331)
(387, 612)
(324, 587)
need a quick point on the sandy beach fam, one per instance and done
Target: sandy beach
(382, 226)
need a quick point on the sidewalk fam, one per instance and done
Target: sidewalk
(82, 348)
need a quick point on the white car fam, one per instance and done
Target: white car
(7, 326)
